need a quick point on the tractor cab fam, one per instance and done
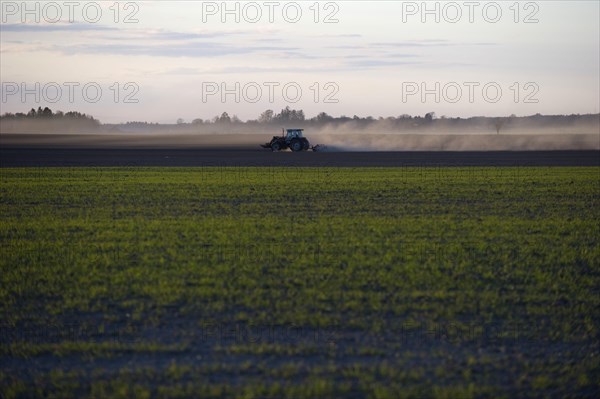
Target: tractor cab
(293, 134)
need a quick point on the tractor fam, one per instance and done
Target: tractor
(290, 138)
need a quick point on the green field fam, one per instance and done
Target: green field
(299, 282)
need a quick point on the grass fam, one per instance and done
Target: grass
(299, 282)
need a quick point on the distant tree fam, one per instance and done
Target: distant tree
(180, 121)
(224, 118)
(284, 115)
(429, 116)
(235, 119)
(498, 123)
(290, 115)
(266, 117)
(197, 121)
(323, 117)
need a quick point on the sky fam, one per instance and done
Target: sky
(159, 61)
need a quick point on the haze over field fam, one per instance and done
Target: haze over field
(538, 132)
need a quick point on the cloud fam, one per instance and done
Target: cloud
(183, 49)
(106, 40)
(340, 36)
(183, 71)
(375, 63)
(169, 35)
(427, 43)
(282, 69)
(111, 32)
(57, 27)
(408, 43)
(131, 42)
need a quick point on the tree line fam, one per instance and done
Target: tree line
(47, 113)
(288, 117)
(44, 120)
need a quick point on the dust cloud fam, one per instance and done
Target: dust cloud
(457, 142)
(445, 137)
(348, 136)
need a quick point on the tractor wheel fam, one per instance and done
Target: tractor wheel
(296, 145)
(275, 146)
(305, 144)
